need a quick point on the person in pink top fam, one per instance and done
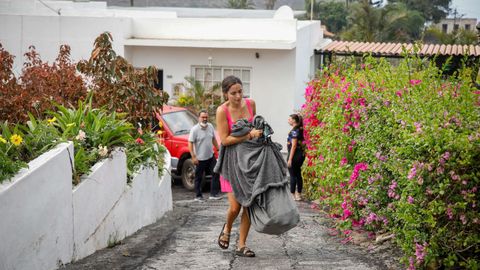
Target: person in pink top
(234, 108)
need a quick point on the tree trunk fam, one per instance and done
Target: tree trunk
(269, 4)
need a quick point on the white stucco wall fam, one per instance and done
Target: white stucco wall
(93, 200)
(106, 209)
(47, 33)
(308, 36)
(45, 224)
(214, 29)
(272, 76)
(36, 224)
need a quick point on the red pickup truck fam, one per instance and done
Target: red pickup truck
(176, 125)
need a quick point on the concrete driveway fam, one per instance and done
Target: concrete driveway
(186, 238)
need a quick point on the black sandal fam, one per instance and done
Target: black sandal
(221, 238)
(245, 252)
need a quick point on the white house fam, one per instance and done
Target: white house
(449, 25)
(273, 53)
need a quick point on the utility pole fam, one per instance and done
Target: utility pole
(311, 10)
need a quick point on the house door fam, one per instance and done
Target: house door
(159, 83)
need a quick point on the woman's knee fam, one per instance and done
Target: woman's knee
(234, 209)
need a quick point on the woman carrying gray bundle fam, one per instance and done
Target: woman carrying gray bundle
(255, 169)
(235, 107)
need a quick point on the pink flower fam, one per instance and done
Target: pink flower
(418, 127)
(379, 156)
(411, 265)
(139, 141)
(449, 212)
(410, 199)
(309, 90)
(343, 161)
(358, 167)
(391, 190)
(346, 213)
(415, 82)
(420, 252)
(399, 94)
(345, 88)
(372, 217)
(412, 173)
(361, 101)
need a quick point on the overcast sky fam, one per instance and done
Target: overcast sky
(471, 8)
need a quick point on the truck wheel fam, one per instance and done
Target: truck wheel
(188, 175)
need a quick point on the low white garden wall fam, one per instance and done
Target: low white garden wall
(44, 224)
(36, 221)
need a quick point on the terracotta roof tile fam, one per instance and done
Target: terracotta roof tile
(397, 48)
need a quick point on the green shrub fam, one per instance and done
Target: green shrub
(94, 133)
(20, 144)
(144, 151)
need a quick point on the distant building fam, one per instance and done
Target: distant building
(455, 24)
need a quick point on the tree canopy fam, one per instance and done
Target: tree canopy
(333, 15)
(240, 4)
(431, 10)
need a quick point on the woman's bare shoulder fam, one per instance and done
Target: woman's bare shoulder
(221, 109)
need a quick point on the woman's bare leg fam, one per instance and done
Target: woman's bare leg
(232, 212)
(244, 228)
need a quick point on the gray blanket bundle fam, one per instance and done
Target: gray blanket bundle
(257, 173)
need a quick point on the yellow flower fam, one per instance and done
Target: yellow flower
(16, 139)
(71, 125)
(2, 140)
(160, 132)
(51, 120)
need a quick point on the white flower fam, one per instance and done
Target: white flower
(102, 150)
(81, 136)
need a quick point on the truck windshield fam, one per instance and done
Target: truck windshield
(180, 122)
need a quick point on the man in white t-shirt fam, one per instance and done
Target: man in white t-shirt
(200, 144)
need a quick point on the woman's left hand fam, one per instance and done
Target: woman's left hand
(256, 133)
(289, 164)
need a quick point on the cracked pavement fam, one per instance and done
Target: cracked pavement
(186, 238)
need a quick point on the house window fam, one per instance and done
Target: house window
(456, 27)
(467, 27)
(210, 76)
(444, 28)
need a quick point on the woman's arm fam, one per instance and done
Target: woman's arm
(254, 107)
(223, 131)
(292, 151)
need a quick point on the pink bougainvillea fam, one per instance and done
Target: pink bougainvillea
(393, 148)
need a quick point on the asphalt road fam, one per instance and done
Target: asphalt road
(186, 238)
